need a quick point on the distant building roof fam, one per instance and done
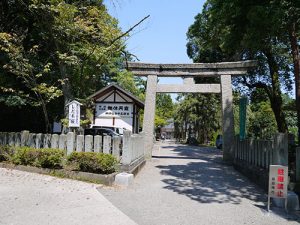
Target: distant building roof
(112, 87)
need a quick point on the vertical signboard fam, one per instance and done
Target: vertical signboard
(74, 114)
(278, 181)
(243, 110)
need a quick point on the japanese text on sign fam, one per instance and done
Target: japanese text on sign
(278, 181)
(111, 109)
(74, 115)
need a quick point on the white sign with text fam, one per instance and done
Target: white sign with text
(122, 110)
(74, 114)
(278, 182)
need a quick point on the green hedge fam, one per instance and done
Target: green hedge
(55, 159)
(6, 152)
(93, 162)
(45, 158)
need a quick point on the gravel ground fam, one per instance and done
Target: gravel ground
(190, 185)
(34, 199)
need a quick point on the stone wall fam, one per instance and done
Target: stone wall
(128, 149)
(253, 157)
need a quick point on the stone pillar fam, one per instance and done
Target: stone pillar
(126, 151)
(11, 139)
(70, 143)
(54, 141)
(1, 138)
(24, 137)
(149, 114)
(17, 139)
(31, 140)
(47, 141)
(79, 143)
(298, 164)
(228, 121)
(133, 147)
(62, 142)
(98, 143)
(116, 147)
(106, 144)
(88, 143)
(141, 145)
(39, 140)
(280, 151)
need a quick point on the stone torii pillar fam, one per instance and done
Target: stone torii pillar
(149, 113)
(227, 117)
(188, 72)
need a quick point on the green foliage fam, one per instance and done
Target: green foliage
(93, 162)
(6, 152)
(50, 158)
(202, 112)
(262, 123)
(55, 159)
(228, 30)
(164, 110)
(54, 48)
(25, 156)
(45, 158)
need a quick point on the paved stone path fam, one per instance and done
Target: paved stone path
(34, 199)
(190, 186)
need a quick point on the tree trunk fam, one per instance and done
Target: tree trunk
(275, 97)
(45, 112)
(47, 123)
(296, 62)
(66, 88)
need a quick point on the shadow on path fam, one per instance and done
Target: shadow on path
(205, 179)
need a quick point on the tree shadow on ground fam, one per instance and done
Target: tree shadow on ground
(206, 179)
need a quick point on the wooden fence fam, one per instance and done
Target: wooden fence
(262, 153)
(128, 149)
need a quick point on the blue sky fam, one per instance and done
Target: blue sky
(162, 37)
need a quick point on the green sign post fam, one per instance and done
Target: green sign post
(243, 110)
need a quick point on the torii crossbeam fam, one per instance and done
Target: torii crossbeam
(188, 72)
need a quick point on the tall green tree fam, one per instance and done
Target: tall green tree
(202, 112)
(164, 110)
(24, 66)
(239, 30)
(287, 20)
(45, 41)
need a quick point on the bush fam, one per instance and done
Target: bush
(50, 158)
(45, 158)
(6, 153)
(93, 162)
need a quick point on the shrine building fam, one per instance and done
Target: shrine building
(116, 108)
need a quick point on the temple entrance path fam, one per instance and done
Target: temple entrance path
(189, 186)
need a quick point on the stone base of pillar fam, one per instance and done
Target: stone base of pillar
(149, 143)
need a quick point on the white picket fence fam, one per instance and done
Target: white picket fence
(128, 149)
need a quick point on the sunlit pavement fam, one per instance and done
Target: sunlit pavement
(191, 185)
(34, 199)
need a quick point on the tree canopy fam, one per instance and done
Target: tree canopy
(53, 48)
(228, 30)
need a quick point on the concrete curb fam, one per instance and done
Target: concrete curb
(135, 167)
(106, 179)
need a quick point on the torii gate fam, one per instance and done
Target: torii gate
(188, 72)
